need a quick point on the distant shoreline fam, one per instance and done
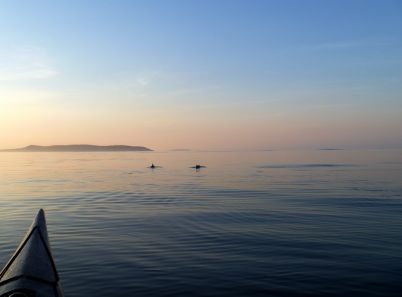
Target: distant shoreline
(79, 148)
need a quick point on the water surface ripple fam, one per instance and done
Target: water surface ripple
(318, 223)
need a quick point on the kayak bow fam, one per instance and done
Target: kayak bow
(31, 271)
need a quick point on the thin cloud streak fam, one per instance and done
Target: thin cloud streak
(28, 63)
(142, 81)
(349, 44)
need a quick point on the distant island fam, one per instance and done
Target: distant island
(79, 148)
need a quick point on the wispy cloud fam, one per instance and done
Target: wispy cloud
(15, 96)
(25, 64)
(142, 81)
(350, 44)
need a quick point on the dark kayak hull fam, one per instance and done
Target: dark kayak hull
(31, 271)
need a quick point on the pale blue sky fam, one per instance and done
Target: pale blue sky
(255, 64)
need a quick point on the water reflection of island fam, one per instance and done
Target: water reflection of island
(79, 148)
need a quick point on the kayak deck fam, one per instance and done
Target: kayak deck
(31, 271)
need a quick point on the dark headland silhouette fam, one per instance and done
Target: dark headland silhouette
(79, 148)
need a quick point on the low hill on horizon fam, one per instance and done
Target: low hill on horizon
(79, 148)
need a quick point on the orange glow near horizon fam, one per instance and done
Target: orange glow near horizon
(239, 127)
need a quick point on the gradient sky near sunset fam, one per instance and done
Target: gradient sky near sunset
(202, 74)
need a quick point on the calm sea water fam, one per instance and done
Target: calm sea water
(275, 223)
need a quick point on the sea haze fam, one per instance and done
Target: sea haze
(267, 223)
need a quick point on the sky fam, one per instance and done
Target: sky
(210, 74)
